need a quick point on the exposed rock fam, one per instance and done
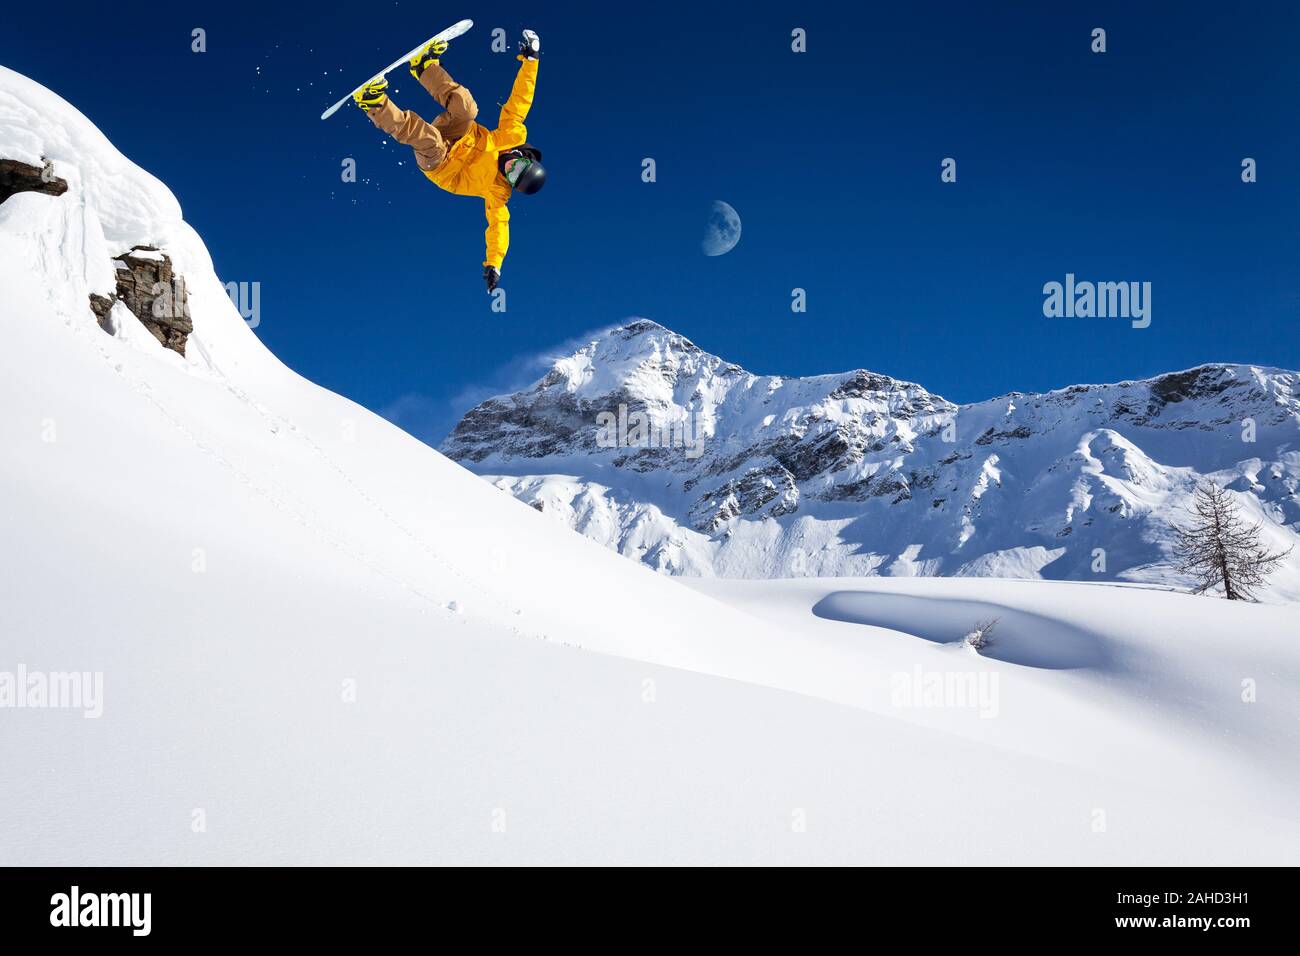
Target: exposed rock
(747, 496)
(102, 305)
(992, 435)
(862, 383)
(154, 293)
(840, 448)
(16, 177)
(1194, 383)
(859, 490)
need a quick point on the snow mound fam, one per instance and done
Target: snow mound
(1021, 637)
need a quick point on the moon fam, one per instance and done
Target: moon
(722, 231)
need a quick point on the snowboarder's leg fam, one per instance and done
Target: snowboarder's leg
(409, 128)
(456, 100)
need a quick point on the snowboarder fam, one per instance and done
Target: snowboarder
(457, 153)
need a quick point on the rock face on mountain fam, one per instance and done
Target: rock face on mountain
(675, 457)
(155, 294)
(17, 177)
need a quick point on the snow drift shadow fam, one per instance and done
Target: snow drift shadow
(1021, 637)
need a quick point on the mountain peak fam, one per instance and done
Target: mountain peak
(640, 326)
(643, 337)
(694, 465)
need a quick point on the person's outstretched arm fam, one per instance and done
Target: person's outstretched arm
(510, 131)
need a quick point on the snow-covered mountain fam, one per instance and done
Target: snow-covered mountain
(670, 455)
(313, 639)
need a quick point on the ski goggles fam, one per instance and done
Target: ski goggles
(515, 168)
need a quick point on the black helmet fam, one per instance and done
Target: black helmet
(531, 179)
(522, 167)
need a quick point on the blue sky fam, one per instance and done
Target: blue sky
(1123, 166)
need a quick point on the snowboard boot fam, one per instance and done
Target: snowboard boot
(372, 94)
(426, 56)
(530, 47)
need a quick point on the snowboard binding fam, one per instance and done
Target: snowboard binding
(372, 94)
(430, 54)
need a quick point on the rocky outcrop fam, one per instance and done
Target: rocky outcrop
(155, 294)
(992, 434)
(146, 282)
(832, 452)
(16, 177)
(102, 306)
(750, 495)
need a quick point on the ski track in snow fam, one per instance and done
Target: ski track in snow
(300, 514)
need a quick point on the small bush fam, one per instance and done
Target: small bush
(982, 635)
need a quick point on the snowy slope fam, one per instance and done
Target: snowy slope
(256, 427)
(741, 475)
(321, 641)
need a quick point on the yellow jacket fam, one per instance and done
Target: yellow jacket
(470, 168)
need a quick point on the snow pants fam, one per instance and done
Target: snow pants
(430, 141)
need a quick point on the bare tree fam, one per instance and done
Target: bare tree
(1220, 550)
(982, 636)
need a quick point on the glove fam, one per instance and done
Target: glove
(530, 47)
(491, 275)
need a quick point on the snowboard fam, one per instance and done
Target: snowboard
(450, 33)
